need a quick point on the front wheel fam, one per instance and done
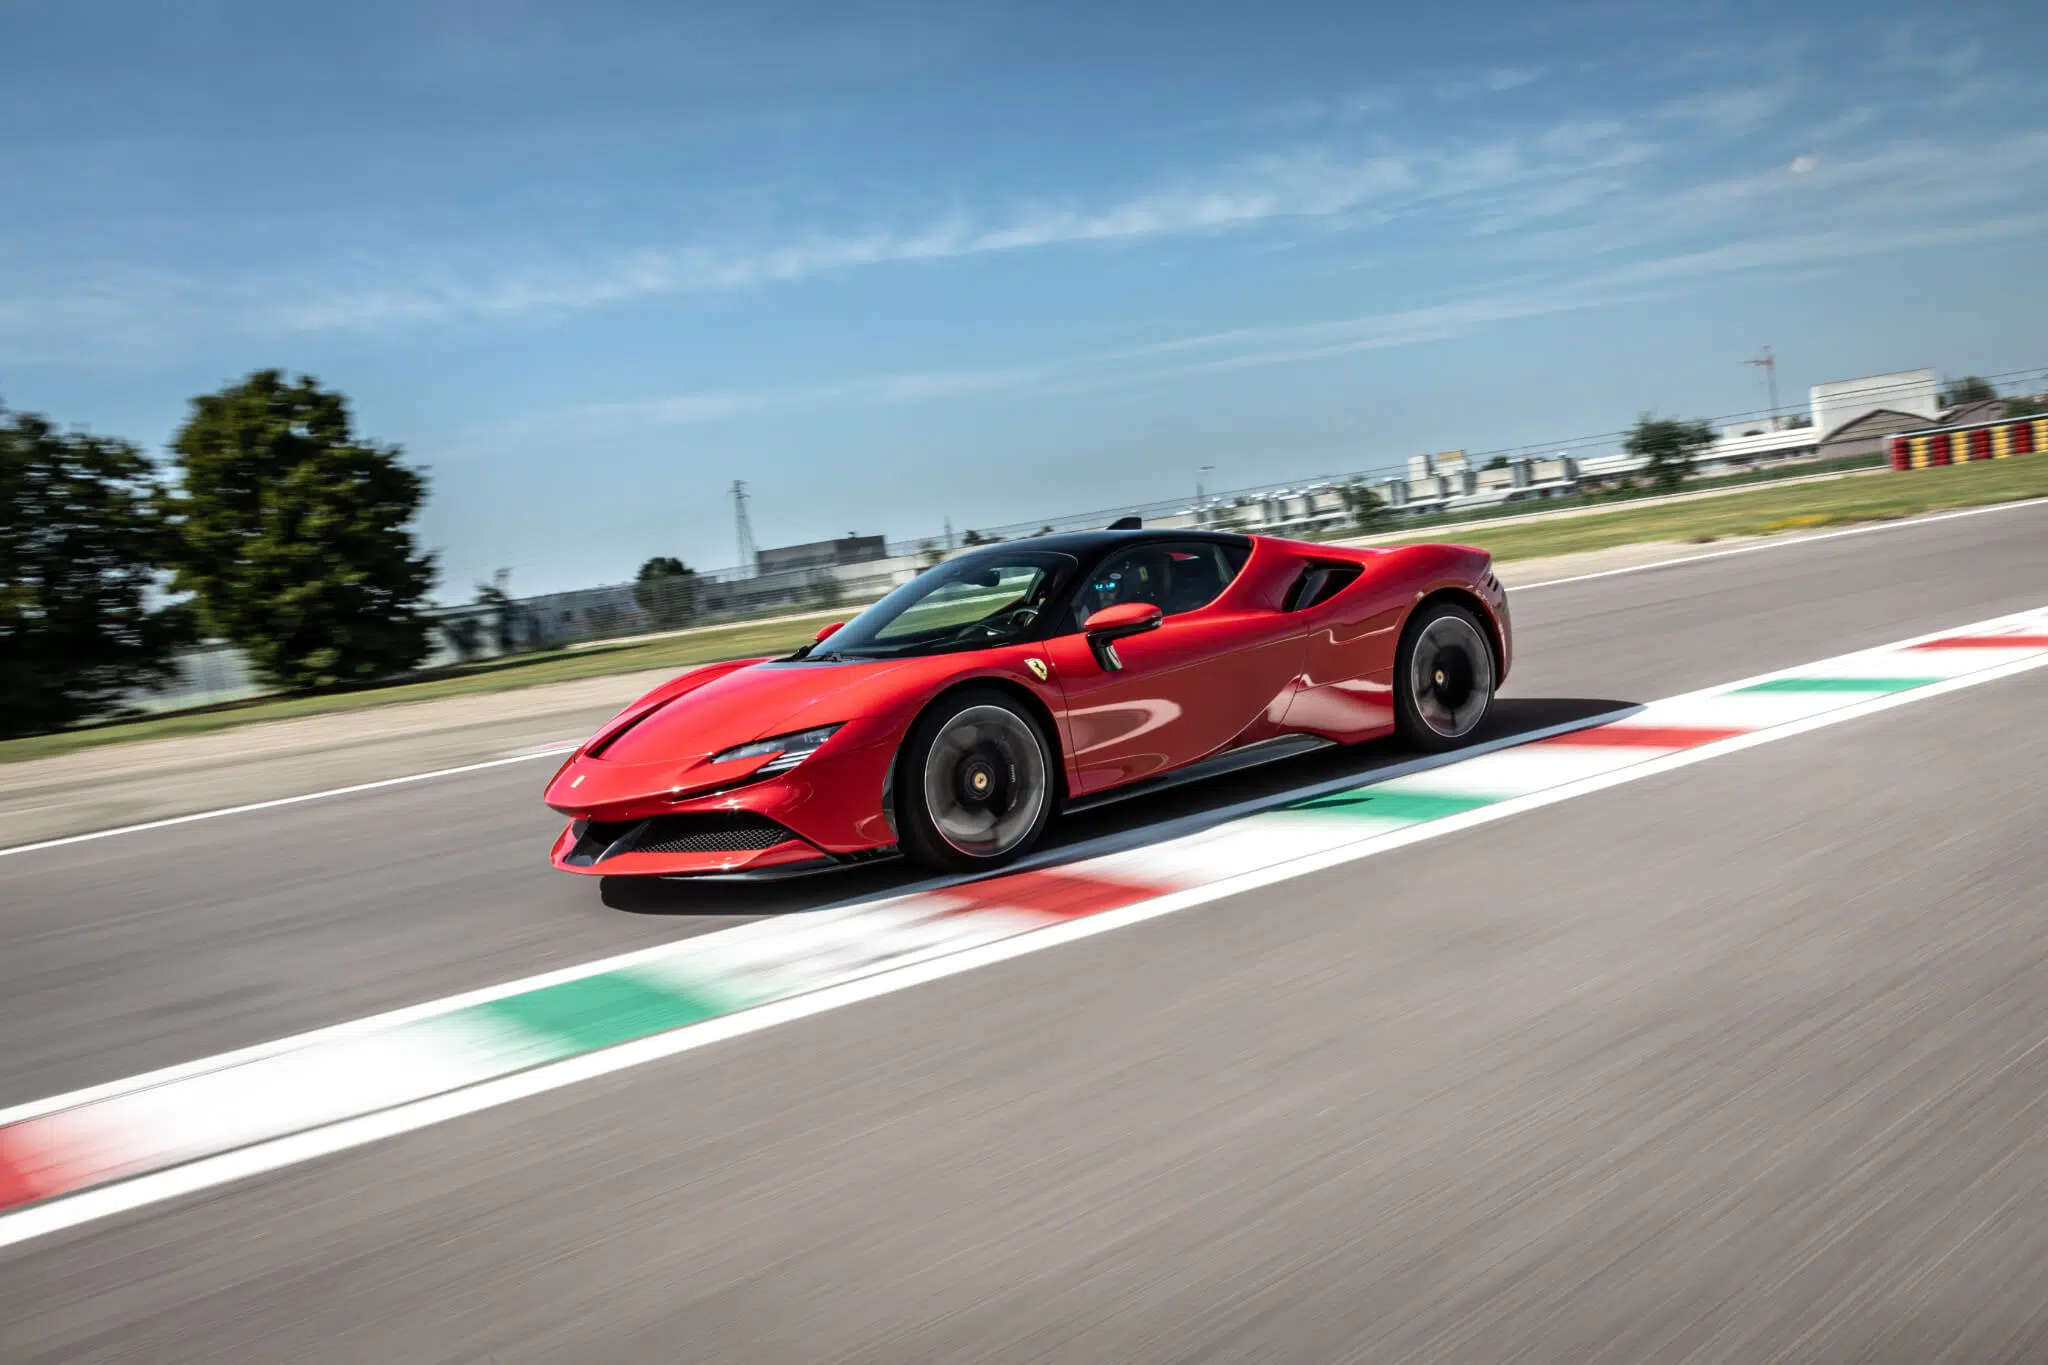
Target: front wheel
(1443, 677)
(975, 784)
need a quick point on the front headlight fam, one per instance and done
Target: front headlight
(791, 749)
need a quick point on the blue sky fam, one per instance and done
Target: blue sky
(897, 262)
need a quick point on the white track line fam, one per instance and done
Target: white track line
(71, 1211)
(1781, 544)
(171, 820)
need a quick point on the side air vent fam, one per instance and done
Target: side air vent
(1318, 584)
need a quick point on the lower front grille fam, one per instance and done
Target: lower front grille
(738, 832)
(720, 832)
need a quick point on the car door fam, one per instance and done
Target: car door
(1220, 664)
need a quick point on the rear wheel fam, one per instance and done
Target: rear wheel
(974, 783)
(1443, 677)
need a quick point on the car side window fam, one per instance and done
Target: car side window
(1176, 578)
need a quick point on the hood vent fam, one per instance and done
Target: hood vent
(611, 737)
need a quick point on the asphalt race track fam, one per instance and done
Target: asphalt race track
(1744, 1062)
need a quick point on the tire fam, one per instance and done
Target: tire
(1444, 677)
(974, 783)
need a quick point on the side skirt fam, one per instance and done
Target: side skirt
(1229, 761)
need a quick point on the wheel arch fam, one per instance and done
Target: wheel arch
(1030, 702)
(1471, 601)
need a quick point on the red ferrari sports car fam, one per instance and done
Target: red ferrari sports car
(953, 718)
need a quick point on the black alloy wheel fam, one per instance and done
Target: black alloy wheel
(974, 785)
(1443, 677)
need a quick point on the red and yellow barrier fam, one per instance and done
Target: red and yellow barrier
(1959, 445)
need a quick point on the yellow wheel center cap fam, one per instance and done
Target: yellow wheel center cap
(981, 781)
(1439, 677)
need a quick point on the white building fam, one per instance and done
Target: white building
(1447, 464)
(1842, 410)
(1911, 392)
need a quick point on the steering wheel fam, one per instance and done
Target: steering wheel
(994, 627)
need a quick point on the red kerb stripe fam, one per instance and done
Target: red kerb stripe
(26, 1172)
(1985, 642)
(1052, 892)
(1644, 736)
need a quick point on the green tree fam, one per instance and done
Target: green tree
(1365, 507)
(504, 608)
(824, 589)
(1669, 445)
(464, 635)
(296, 538)
(1969, 389)
(666, 589)
(81, 542)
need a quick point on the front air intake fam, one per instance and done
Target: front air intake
(738, 832)
(718, 832)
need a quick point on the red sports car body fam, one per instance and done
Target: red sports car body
(952, 719)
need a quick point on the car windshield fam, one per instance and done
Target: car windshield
(983, 599)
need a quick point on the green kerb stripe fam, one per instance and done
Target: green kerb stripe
(1838, 684)
(1395, 805)
(601, 1011)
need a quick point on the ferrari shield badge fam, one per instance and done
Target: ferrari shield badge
(1037, 667)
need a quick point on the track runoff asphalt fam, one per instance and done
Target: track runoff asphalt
(1741, 1058)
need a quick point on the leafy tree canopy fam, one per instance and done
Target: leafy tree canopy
(1366, 508)
(1669, 445)
(666, 589)
(1969, 389)
(81, 539)
(296, 538)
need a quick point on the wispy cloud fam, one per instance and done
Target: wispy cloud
(1304, 184)
(1729, 111)
(1263, 347)
(1499, 81)
(1317, 182)
(1655, 178)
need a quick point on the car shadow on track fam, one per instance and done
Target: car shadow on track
(1161, 814)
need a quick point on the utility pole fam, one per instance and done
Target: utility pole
(1200, 495)
(743, 530)
(1769, 363)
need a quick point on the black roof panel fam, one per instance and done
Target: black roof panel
(1082, 544)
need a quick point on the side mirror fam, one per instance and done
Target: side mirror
(822, 635)
(1111, 624)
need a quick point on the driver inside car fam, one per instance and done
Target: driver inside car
(1137, 577)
